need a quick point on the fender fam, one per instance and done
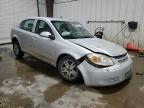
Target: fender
(70, 48)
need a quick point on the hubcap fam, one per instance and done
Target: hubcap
(68, 69)
(16, 49)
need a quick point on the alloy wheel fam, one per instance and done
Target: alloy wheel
(68, 69)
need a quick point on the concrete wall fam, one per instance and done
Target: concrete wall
(106, 10)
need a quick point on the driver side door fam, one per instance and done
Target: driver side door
(44, 47)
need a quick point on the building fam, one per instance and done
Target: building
(112, 15)
(109, 14)
(11, 12)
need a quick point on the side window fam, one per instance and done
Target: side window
(42, 26)
(27, 25)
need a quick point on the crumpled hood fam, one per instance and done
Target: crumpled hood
(100, 45)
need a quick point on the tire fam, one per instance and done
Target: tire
(17, 50)
(68, 70)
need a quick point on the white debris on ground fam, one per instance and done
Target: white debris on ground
(73, 98)
(34, 91)
(76, 98)
(141, 89)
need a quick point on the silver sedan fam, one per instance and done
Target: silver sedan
(69, 47)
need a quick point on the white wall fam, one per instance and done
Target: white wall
(12, 12)
(42, 8)
(84, 10)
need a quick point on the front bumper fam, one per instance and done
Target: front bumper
(94, 76)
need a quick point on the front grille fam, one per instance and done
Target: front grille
(121, 58)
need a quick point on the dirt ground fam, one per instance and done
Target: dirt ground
(30, 83)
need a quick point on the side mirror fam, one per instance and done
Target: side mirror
(47, 35)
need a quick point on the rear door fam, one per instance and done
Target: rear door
(25, 34)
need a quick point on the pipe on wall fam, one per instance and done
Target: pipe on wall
(38, 8)
(65, 1)
(112, 21)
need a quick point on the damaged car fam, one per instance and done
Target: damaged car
(75, 52)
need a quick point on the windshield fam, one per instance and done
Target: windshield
(71, 30)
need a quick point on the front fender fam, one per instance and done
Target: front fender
(68, 48)
(75, 55)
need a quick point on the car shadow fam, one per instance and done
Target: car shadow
(112, 89)
(39, 66)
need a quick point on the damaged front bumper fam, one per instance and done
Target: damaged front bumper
(94, 76)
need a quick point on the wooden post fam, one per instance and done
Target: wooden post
(49, 6)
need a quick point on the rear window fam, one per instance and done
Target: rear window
(27, 25)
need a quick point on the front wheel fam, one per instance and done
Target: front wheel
(67, 67)
(17, 50)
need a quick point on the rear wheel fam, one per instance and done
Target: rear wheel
(17, 50)
(67, 67)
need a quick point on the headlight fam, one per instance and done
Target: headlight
(100, 60)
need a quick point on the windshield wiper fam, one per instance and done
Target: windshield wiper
(87, 37)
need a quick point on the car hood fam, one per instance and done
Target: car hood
(100, 46)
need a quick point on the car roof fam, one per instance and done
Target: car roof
(50, 19)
